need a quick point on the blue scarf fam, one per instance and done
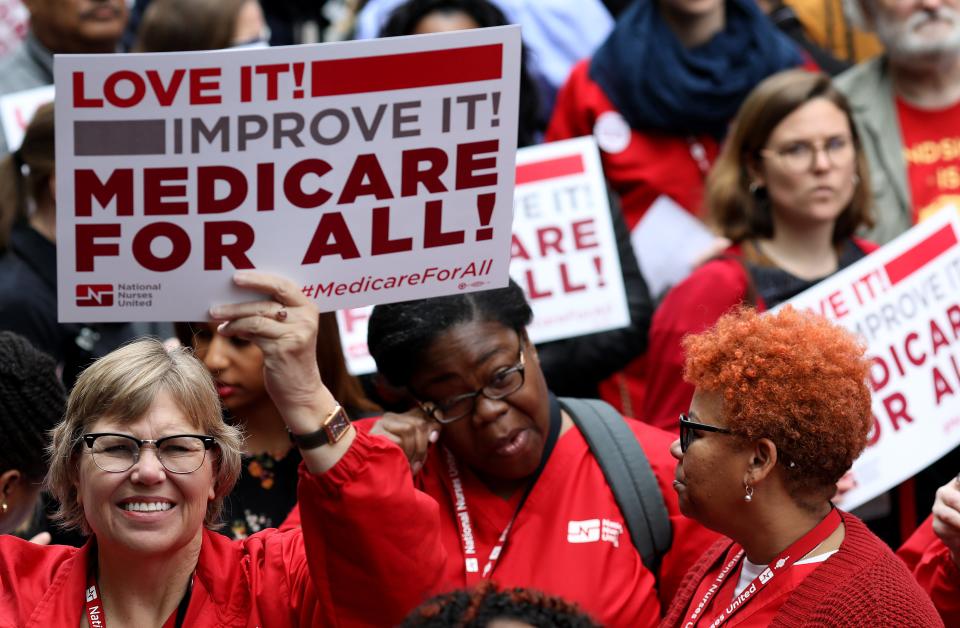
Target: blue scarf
(657, 84)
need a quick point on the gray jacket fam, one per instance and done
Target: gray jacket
(29, 65)
(869, 89)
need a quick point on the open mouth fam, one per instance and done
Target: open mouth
(135, 506)
(512, 443)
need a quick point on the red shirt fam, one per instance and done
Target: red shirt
(935, 570)
(931, 150)
(570, 538)
(640, 166)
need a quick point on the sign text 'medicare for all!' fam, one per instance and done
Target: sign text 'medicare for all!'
(366, 171)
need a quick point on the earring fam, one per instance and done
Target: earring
(754, 187)
(749, 493)
(4, 507)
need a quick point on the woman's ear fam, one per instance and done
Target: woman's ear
(762, 462)
(755, 177)
(8, 482)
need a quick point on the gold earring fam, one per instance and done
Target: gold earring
(4, 507)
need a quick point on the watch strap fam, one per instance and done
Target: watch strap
(331, 430)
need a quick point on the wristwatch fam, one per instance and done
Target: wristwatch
(331, 430)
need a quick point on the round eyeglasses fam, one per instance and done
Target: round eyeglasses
(503, 384)
(116, 453)
(801, 156)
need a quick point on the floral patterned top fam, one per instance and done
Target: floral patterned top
(264, 495)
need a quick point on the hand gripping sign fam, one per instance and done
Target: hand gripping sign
(563, 251)
(367, 171)
(904, 302)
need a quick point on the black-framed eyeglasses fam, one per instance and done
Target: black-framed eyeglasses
(503, 384)
(688, 429)
(180, 453)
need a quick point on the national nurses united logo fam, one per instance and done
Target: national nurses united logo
(94, 295)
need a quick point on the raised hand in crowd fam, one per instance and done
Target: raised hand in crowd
(414, 431)
(946, 517)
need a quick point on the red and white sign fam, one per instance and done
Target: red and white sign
(904, 302)
(16, 111)
(563, 252)
(368, 172)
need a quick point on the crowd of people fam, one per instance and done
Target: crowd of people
(232, 472)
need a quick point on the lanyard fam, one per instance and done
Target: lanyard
(800, 548)
(462, 512)
(97, 617)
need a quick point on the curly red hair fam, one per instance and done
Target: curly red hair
(792, 377)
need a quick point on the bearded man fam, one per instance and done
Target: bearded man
(907, 106)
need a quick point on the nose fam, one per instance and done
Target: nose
(675, 450)
(488, 410)
(215, 357)
(148, 470)
(821, 161)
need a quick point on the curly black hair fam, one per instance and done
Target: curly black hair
(399, 334)
(477, 607)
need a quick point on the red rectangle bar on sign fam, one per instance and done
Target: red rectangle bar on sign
(406, 71)
(549, 169)
(921, 254)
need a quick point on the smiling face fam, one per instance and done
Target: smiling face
(146, 509)
(501, 440)
(818, 194)
(710, 475)
(236, 365)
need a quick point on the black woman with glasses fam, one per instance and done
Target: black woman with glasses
(780, 411)
(789, 190)
(142, 462)
(522, 500)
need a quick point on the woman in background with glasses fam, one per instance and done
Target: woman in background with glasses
(521, 498)
(789, 190)
(142, 461)
(780, 411)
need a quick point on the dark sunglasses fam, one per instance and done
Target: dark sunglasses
(687, 428)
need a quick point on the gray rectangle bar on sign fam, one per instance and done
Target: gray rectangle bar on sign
(119, 137)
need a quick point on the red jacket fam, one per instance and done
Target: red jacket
(547, 547)
(359, 560)
(935, 570)
(862, 584)
(649, 164)
(691, 307)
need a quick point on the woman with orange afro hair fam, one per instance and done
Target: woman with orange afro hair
(780, 411)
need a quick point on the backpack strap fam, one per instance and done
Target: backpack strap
(628, 474)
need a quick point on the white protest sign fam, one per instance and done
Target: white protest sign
(904, 301)
(564, 252)
(366, 171)
(668, 242)
(17, 109)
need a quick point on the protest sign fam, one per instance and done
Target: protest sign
(17, 109)
(564, 252)
(904, 302)
(366, 171)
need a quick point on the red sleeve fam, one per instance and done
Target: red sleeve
(690, 307)
(689, 538)
(935, 570)
(572, 115)
(372, 540)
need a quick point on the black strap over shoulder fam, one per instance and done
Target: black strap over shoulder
(628, 474)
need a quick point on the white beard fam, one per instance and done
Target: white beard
(904, 45)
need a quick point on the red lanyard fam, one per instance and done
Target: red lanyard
(462, 513)
(780, 564)
(97, 618)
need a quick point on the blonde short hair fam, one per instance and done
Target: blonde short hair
(122, 385)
